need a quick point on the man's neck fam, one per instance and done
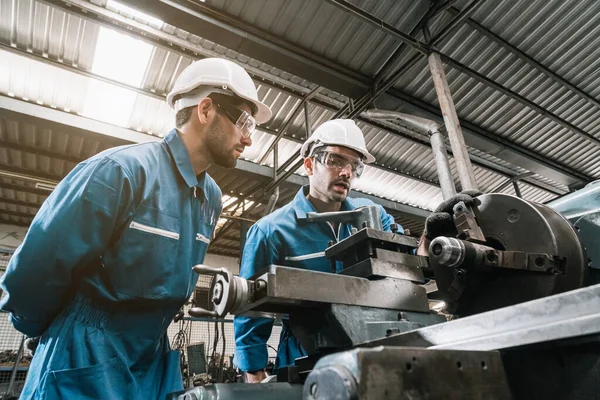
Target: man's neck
(323, 206)
(196, 150)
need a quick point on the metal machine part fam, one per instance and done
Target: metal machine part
(284, 289)
(407, 373)
(528, 238)
(263, 391)
(359, 218)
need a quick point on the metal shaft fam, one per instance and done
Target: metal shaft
(443, 167)
(457, 141)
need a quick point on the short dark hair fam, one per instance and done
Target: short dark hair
(184, 115)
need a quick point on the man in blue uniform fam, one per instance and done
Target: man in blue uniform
(107, 261)
(334, 157)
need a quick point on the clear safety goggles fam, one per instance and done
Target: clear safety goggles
(240, 118)
(340, 161)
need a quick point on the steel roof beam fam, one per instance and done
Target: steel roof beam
(528, 59)
(218, 27)
(474, 135)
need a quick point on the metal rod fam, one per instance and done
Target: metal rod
(511, 180)
(307, 126)
(297, 110)
(457, 141)
(443, 167)
(10, 391)
(517, 189)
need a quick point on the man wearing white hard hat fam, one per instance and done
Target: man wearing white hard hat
(334, 157)
(107, 261)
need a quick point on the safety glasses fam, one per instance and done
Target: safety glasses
(240, 118)
(340, 161)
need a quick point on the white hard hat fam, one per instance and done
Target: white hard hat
(215, 75)
(338, 132)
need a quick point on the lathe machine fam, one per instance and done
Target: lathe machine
(521, 319)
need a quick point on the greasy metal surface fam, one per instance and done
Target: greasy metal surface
(241, 391)
(510, 223)
(378, 237)
(412, 373)
(405, 266)
(297, 287)
(566, 315)
(337, 326)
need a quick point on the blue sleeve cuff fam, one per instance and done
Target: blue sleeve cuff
(251, 358)
(29, 328)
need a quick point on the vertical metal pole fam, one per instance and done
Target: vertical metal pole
(457, 141)
(443, 167)
(307, 121)
(13, 374)
(517, 189)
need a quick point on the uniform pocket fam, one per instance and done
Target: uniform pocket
(108, 380)
(172, 380)
(146, 262)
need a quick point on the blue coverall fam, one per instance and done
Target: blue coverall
(104, 268)
(284, 237)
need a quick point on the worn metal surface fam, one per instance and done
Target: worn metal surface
(561, 316)
(392, 240)
(403, 266)
(512, 224)
(297, 287)
(408, 373)
(339, 326)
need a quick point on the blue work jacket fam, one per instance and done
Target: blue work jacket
(285, 238)
(104, 268)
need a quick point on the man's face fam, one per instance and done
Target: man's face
(332, 184)
(225, 142)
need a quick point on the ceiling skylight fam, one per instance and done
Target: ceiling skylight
(135, 14)
(121, 58)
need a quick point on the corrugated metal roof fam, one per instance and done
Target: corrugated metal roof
(562, 37)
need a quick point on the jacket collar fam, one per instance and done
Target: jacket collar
(301, 205)
(181, 158)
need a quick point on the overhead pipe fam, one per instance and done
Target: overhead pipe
(457, 140)
(437, 144)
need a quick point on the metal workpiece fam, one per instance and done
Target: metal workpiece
(377, 239)
(241, 391)
(404, 266)
(359, 218)
(287, 288)
(513, 226)
(408, 373)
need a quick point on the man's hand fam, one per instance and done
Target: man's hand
(440, 222)
(255, 376)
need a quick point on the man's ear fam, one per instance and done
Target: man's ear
(309, 165)
(204, 107)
